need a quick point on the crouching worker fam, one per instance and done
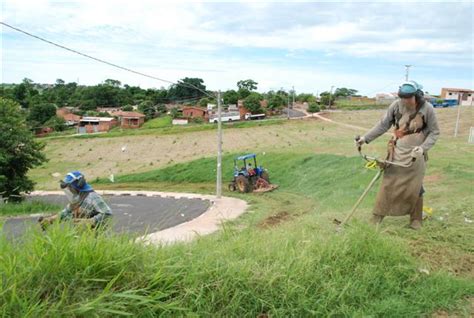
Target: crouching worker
(85, 207)
(416, 131)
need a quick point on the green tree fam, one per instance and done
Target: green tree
(127, 108)
(57, 123)
(230, 97)
(204, 101)
(344, 92)
(327, 99)
(249, 85)
(276, 101)
(19, 152)
(174, 112)
(24, 92)
(252, 103)
(106, 95)
(246, 87)
(313, 107)
(112, 82)
(40, 113)
(303, 97)
(161, 109)
(148, 109)
(188, 88)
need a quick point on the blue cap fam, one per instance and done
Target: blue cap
(409, 89)
(77, 181)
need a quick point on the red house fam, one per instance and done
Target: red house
(195, 112)
(89, 125)
(129, 119)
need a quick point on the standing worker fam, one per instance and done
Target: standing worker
(416, 131)
(85, 205)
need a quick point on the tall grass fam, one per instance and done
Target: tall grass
(27, 207)
(296, 265)
(70, 273)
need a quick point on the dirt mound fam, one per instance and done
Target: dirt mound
(275, 219)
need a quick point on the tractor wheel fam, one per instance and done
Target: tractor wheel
(265, 176)
(232, 187)
(243, 184)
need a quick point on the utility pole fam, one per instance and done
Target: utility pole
(457, 122)
(330, 97)
(219, 147)
(293, 104)
(288, 107)
(407, 70)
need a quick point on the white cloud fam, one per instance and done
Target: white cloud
(176, 38)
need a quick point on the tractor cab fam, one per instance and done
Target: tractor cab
(249, 176)
(247, 166)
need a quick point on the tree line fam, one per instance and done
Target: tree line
(40, 101)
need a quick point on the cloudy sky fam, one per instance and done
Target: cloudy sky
(309, 45)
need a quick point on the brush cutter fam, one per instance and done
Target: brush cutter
(372, 163)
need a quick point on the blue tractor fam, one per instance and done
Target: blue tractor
(248, 176)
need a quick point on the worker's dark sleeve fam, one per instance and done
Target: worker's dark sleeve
(387, 121)
(431, 130)
(102, 209)
(66, 213)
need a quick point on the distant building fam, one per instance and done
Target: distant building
(89, 125)
(233, 107)
(195, 112)
(362, 100)
(462, 95)
(180, 121)
(129, 119)
(385, 98)
(109, 110)
(67, 114)
(43, 131)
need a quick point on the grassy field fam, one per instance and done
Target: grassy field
(283, 257)
(27, 207)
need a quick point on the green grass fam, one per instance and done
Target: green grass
(160, 122)
(27, 207)
(282, 258)
(355, 105)
(239, 273)
(161, 128)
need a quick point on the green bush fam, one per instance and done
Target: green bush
(313, 107)
(19, 151)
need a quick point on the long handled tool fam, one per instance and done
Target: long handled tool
(381, 164)
(349, 216)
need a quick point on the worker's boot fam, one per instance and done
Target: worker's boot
(416, 216)
(376, 219)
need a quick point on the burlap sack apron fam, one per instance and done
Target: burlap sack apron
(77, 211)
(400, 189)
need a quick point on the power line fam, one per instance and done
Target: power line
(105, 62)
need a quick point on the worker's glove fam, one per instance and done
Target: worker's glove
(44, 222)
(87, 223)
(417, 152)
(359, 141)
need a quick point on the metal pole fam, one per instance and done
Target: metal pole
(361, 197)
(288, 107)
(407, 68)
(219, 147)
(293, 104)
(330, 97)
(457, 119)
